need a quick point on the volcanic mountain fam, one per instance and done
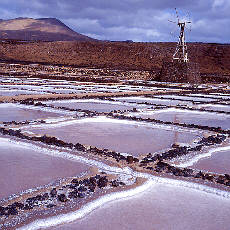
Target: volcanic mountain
(42, 29)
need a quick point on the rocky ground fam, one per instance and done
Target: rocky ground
(144, 60)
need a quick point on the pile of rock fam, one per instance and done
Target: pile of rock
(163, 167)
(76, 189)
(49, 140)
(202, 127)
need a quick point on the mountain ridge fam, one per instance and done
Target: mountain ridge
(41, 29)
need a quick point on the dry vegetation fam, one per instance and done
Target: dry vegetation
(214, 59)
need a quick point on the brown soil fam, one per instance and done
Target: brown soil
(214, 59)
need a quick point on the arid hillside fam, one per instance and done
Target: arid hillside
(43, 29)
(213, 59)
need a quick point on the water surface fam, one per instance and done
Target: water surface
(218, 162)
(14, 112)
(22, 168)
(118, 136)
(189, 117)
(161, 207)
(93, 105)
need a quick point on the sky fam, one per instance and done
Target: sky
(137, 20)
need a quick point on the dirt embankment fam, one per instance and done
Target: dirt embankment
(214, 59)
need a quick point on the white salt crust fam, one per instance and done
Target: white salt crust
(86, 209)
(126, 172)
(112, 120)
(198, 157)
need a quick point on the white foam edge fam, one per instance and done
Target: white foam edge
(88, 208)
(100, 165)
(198, 157)
(111, 120)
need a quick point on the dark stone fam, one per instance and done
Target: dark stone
(102, 182)
(199, 175)
(175, 145)
(73, 194)
(81, 195)
(97, 176)
(2, 211)
(149, 155)
(86, 182)
(135, 159)
(149, 168)
(208, 177)
(45, 196)
(115, 183)
(227, 176)
(92, 187)
(227, 183)
(82, 189)
(129, 159)
(122, 183)
(50, 205)
(187, 172)
(75, 181)
(17, 205)
(53, 192)
(28, 207)
(62, 198)
(220, 180)
(92, 180)
(31, 200)
(162, 165)
(177, 172)
(39, 197)
(73, 186)
(12, 211)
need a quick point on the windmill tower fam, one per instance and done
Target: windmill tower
(181, 52)
(180, 69)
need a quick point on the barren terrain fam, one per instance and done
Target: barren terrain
(213, 59)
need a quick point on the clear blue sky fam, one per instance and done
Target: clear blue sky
(137, 20)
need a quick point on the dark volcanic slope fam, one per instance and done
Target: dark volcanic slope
(43, 29)
(214, 59)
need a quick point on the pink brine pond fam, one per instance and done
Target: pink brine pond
(23, 167)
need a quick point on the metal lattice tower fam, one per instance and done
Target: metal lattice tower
(181, 52)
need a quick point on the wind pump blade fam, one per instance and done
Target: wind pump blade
(181, 52)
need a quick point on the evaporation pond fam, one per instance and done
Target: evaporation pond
(93, 105)
(216, 107)
(190, 98)
(160, 207)
(15, 92)
(157, 101)
(122, 136)
(23, 167)
(218, 162)
(16, 112)
(188, 117)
